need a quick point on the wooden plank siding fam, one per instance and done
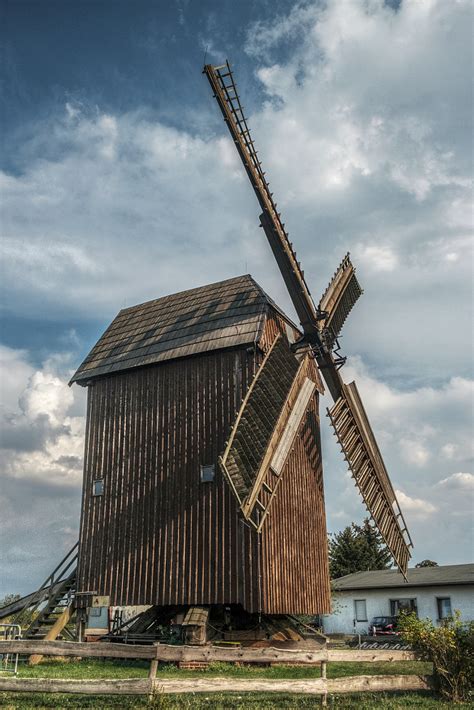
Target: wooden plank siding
(158, 535)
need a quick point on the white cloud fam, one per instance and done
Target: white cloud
(41, 450)
(449, 450)
(414, 452)
(73, 110)
(15, 370)
(377, 257)
(415, 507)
(42, 435)
(353, 89)
(262, 37)
(46, 395)
(459, 480)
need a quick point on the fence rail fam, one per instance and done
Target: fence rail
(161, 652)
(202, 654)
(143, 686)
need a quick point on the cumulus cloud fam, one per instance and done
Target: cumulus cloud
(377, 257)
(41, 450)
(414, 452)
(458, 480)
(415, 507)
(114, 212)
(41, 433)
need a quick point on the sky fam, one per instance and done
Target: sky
(120, 184)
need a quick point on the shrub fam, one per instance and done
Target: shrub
(450, 647)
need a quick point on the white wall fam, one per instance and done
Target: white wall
(341, 621)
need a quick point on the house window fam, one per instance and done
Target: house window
(98, 488)
(444, 607)
(208, 472)
(360, 608)
(398, 606)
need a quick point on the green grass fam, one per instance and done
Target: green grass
(220, 701)
(96, 668)
(90, 668)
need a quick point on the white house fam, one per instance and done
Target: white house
(433, 592)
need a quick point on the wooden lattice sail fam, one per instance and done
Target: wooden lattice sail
(362, 454)
(265, 429)
(339, 298)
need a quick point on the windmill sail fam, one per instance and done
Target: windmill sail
(338, 300)
(225, 91)
(362, 454)
(265, 429)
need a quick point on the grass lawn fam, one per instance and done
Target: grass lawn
(98, 668)
(95, 668)
(220, 701)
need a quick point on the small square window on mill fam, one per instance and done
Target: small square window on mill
(98, 488)
(208, 472)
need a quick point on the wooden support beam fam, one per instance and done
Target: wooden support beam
(54, 631)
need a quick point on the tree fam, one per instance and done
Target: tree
(9, 599)
(25, 618)
(357, 548)
(427, 563)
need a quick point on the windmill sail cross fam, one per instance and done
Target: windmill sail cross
(321, 327)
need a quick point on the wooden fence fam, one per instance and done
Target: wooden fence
(204, 654)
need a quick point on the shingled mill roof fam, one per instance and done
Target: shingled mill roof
(225, 314)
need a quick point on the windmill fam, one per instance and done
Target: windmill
(254, 474)
(203, 493)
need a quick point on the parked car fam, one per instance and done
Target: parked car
(383, 626)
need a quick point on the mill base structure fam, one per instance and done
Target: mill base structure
(172, 384)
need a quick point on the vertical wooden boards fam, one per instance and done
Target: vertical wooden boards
(158, 535)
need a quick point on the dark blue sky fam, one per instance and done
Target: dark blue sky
(117, 54)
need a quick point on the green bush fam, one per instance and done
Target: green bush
(450, 647)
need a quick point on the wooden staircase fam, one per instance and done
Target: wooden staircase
(53, 617)
(53, 604)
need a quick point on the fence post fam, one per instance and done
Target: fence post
(152, 676)
(324, 696)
